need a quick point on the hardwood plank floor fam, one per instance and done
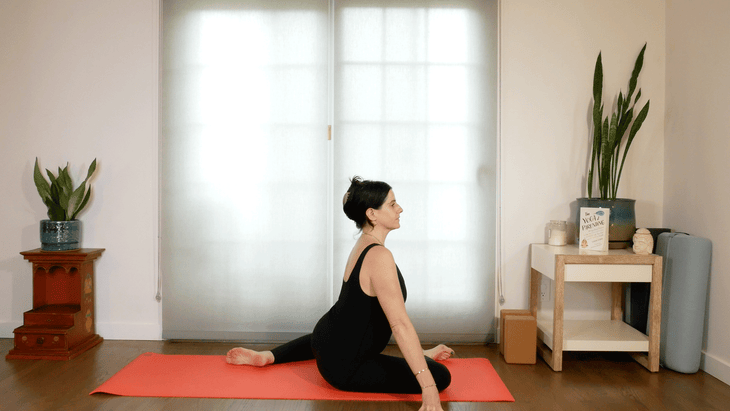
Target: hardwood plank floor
(589, 381)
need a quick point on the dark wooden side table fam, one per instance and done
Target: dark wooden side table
(61, 324)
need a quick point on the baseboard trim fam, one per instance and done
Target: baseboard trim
(129, 331)
(249, 337)
(447, 338)
(716, 367)
(153, 332)
(282, 337)
(6, 329)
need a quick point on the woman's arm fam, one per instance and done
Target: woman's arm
(379, 265)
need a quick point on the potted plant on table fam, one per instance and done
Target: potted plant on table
(62, 231)
(612, 138)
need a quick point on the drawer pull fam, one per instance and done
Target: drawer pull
(40, 340)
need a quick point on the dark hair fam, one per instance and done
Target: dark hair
(362, 195)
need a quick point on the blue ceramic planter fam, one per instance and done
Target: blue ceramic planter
(622, 219)
(60, 235)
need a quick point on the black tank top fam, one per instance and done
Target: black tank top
(352, 330)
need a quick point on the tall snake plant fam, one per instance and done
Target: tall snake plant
(609, 131)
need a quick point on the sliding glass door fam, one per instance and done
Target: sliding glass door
(253, 236)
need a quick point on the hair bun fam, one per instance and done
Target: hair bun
(355, 181)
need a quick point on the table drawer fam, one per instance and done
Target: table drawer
(608, 273)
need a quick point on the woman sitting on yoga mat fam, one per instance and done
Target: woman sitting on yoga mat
(348, 341)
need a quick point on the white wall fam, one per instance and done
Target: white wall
(548, 54)
(697, 145)
(78, 81)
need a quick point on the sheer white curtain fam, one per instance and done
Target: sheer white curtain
(253, 237)
(415, 106)
(244, 168)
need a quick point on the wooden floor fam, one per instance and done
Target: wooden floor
(588, 381)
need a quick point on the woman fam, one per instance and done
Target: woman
(347, 341)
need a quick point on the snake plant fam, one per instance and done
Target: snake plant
(63, 201)
(609, 132)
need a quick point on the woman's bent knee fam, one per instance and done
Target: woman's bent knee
(441, 375)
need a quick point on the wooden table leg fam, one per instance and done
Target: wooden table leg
(558, 313)
(542, 349)
(535, 281)
(617, 301)
(654, 322)
(655, 315)
(535, 277)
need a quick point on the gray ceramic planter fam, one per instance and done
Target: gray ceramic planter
(60, 235)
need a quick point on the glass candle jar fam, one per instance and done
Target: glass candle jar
(557, 232)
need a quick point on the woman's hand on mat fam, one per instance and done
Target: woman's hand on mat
(431, 400)
(439, 353)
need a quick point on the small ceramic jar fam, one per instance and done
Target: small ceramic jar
(643, 242)
(557, 232)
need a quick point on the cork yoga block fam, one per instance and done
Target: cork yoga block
(519, 336)
(502, 315)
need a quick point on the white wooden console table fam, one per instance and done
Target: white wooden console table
(568, 264)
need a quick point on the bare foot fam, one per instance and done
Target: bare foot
(244, 356)
(439, 353)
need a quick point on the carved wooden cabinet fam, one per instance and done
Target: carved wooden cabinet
(61, 324)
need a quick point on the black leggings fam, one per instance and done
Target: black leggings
(379, 373)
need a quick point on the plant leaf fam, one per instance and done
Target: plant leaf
(82, 205)
(596, 146)
(51, 176)
(44, 189)
(598, 80)
(55, 192)
(65, 188)
(589, 182)
(68, 187)
(620, 103)
(597, 129)
(613, 143)
(634, 129)
(59, 179)
(92, 168)
(637, 69)
(624, 124)
(75, 199)
(63, 197)
(605, 157)
(637, 123)
(55, 212)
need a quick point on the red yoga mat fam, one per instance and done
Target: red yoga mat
(209, 376)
